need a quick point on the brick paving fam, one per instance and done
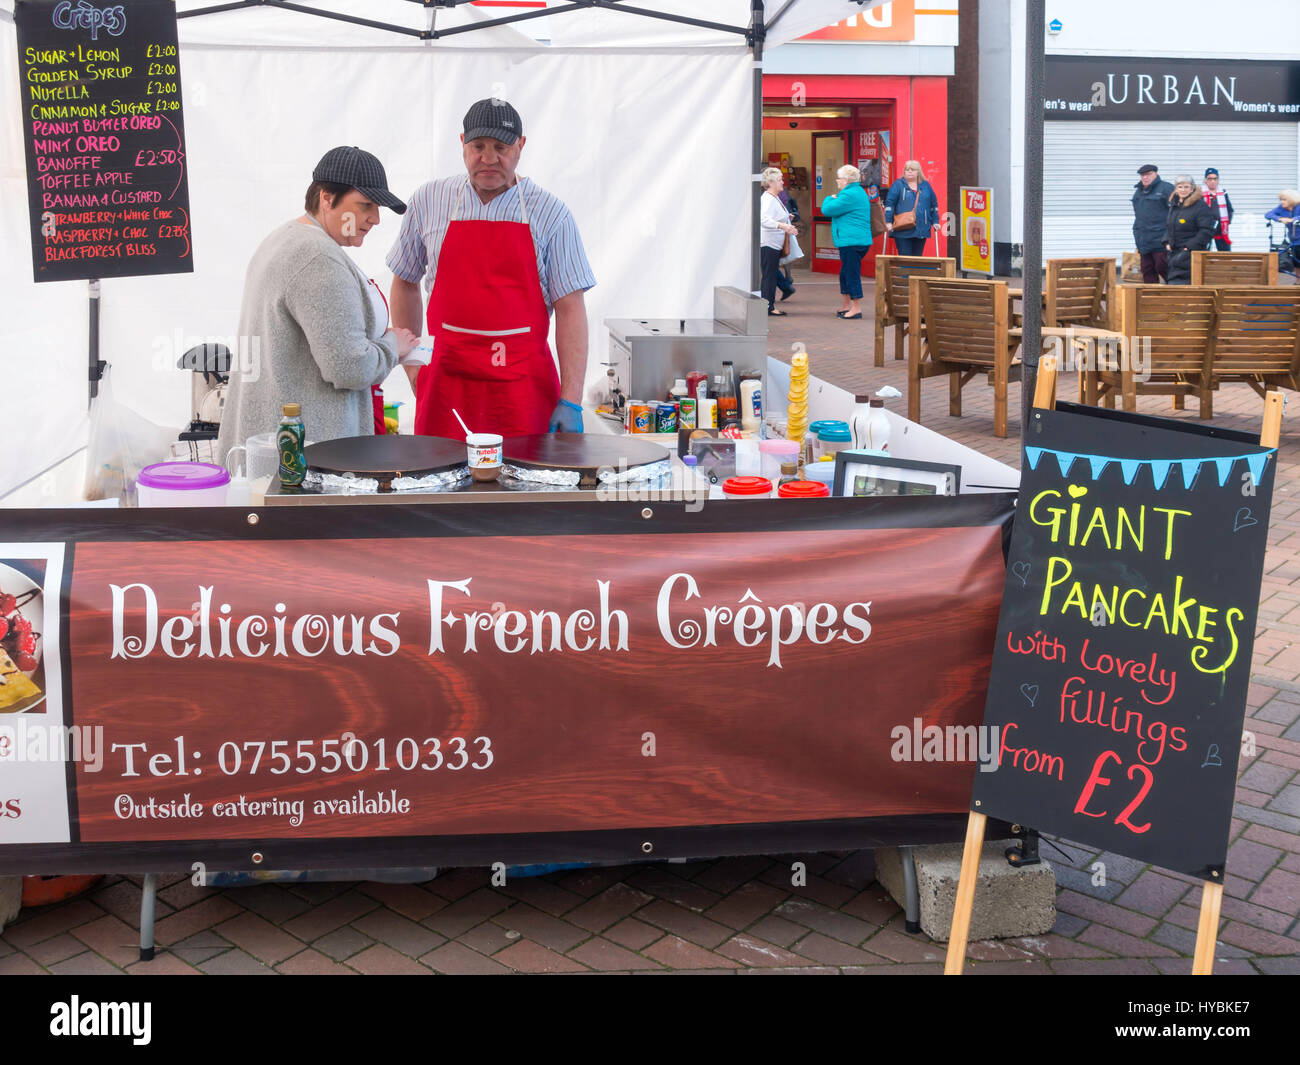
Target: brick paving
(743, 915)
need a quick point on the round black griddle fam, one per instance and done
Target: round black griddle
(386, 457)
(581, 452)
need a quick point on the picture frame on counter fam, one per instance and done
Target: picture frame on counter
(871, 474)
(715, 457)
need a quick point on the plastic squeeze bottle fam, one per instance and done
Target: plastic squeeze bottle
(869, 425)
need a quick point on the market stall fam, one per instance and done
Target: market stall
(606, 662)
(642, 126)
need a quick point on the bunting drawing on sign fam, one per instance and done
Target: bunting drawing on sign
(1159, 467)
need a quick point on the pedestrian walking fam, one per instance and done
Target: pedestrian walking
(911, 210)
(850, 213)
(1221, 205)
(1150, 215)
(1189, 226)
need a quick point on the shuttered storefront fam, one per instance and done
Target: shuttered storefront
(1089, 169)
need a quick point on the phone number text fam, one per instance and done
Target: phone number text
(279, 757)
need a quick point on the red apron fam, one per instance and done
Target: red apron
(376, 391)
(488, 320)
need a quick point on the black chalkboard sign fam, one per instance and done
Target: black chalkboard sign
(1124, 642)
(107, 172)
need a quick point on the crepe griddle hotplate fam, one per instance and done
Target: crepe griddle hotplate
(386, 457)
(579, 452)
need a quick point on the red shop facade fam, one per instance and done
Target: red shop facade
(815, 123)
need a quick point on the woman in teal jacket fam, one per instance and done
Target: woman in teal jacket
(850, 213)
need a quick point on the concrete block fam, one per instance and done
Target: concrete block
(1009, 901)
(11, 898)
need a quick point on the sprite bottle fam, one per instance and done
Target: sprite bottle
(289, 441)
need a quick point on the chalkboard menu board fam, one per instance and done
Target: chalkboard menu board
(107, 180)
(1124, 643)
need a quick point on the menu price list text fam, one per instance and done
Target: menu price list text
(106, 159)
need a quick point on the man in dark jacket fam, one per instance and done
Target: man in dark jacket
(1188, 228)
(1150, 213)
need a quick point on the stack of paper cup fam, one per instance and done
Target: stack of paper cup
(797, 413)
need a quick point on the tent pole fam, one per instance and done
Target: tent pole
(789, 4)
(1032, 270)
(41, 473)
(505, 20)
(339, 17)
(685, 20)
(235, 5)
(757, 32)
(97, 364)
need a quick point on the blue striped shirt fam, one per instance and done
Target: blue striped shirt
(561, 261)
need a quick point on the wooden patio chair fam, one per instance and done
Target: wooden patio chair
(892, 275)
(1165, 348)
(1080, 308)
(1234, 268)
(1257, 337)
(962, 329)
(1080, 292)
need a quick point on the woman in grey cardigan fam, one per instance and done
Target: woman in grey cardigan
(314, 327)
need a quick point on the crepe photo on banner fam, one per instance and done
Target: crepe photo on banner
(22, 631)
(1124, 642)
(33, 718)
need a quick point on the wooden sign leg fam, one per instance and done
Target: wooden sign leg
(970, 871)
(1271, 430)
(1045, 386)
(1207, 929)
(1044, 396)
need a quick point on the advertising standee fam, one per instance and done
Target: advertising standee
(976, 223)
(1123, 650)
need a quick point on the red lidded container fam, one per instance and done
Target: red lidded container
(747, 487)
(803, 490)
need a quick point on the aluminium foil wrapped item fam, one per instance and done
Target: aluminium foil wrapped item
(555, 478)
(447, 481)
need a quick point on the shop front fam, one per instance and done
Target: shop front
(1220, 93)
(820, 112)
(1106, 116)
(873, 123)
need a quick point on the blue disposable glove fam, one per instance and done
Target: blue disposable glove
(566, 418)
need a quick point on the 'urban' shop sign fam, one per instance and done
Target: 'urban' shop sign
(1107, 87)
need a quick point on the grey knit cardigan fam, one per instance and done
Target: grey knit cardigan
(305, 336)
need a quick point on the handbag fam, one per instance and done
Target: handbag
(907, 219)
(785, 246)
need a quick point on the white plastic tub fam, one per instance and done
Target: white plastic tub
(182, 484)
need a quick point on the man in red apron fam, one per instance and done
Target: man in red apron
(483, 238)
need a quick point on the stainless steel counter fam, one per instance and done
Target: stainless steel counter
(649, 354)
(475, 492)
(501, 492)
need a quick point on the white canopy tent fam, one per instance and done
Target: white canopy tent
(645, 128)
